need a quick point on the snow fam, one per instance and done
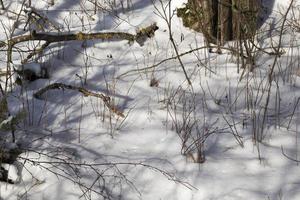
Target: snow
(33, 66)
(70, 140)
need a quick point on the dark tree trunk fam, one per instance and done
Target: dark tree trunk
(222, 20)
(2, 5)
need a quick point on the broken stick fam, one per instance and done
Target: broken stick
(85, 92)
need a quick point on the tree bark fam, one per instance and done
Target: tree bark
(222, 20)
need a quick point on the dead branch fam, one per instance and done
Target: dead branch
(140, 37)
(85, 92)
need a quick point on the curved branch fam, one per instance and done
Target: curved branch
(85, 92)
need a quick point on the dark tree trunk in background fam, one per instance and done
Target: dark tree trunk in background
(2, 5)
(222, 20)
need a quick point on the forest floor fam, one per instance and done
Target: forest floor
(230, 135)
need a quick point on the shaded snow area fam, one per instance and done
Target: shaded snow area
(233, 134)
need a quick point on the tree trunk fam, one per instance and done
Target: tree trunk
(2, 5)
(222, 20)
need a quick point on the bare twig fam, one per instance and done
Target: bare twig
(293, 113)
(289, 157)
(270, 77)
(162, 61)
(167, 17)
(36, 51)
(234, 132)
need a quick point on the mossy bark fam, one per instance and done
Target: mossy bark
(221, 20)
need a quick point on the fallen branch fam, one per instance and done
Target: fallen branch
(85, 92)
(140, 37)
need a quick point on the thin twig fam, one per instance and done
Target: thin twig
(167, 17)
(277, 55)
(168, 175)
(162, 61)
(288, 157)
(293, 113)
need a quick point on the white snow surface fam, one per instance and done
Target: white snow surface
(69, 140)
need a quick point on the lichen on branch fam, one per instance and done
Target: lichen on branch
(140, 37)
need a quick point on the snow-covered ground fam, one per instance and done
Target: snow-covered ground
(75, 148)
